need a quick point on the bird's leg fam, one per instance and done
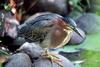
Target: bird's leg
(52, 57)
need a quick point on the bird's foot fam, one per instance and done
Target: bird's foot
(52, 57)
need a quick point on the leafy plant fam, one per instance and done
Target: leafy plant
(2, 52)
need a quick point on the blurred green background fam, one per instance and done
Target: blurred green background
(92, 53)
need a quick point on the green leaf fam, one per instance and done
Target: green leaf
(2, 52)
(74, 2)
(92, 42)
(7, 7)
(77, 65)
(92, 58)
(70, 49)
(0, 64)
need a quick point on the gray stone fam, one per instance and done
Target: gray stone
(56, 6)
(77, 39)
(32, 49)
(89, 23)
(47, 63)
(18, 60)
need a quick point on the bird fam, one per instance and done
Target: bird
(49, 30)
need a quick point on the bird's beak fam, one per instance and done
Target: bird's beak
(77, 31)
(72, 24)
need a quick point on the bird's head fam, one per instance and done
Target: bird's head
(67, 26)
(72, 24)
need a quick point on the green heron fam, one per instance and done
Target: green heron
(49, 30)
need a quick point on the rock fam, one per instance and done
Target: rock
(32, 49)
(56, 6)
(8, 25)
(27, 58)
(19, 41)
(8, 29)
(89, 23)
(47, 63)
(77, 39)
(18, 60)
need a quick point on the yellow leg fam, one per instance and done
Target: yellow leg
(52, 57)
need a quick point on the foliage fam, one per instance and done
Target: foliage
(92, 42)
(7, 7)
(0, 64)
(2, 52)
(92, 58)
(74, 4)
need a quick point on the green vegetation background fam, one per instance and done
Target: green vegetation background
(92, 53)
